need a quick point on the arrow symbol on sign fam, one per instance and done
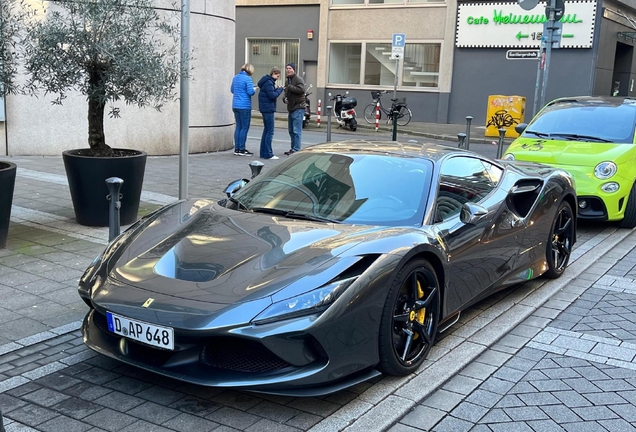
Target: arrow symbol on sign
(520, 35)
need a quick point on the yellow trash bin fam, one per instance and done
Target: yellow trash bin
(504, 112)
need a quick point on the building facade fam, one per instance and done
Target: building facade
(33, 126)
(457, 54)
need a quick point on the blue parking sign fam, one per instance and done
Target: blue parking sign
(399, 39)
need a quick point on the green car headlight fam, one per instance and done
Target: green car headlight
(605, 170)
(304, 304)
(509, 156)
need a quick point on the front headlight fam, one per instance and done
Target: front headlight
(508, 156)
(610, 187)
(605, 170)
(304, 304)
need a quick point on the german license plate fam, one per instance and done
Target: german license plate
(162, 337)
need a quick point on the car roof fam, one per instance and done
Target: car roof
(596, 100)
(433, 152)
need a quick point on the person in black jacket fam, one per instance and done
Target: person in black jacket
(295, 100)
(267, 106)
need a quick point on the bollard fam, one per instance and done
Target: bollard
(461, 137)
(502, 134)
(318, 112)
(469, 120)
(114, 185)
(328, 123)
(377, 115)
(395, 114)
(256, 167)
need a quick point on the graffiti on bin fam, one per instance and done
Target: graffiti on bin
(502, 119)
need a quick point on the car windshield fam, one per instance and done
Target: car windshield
(366, 189)
(585, 122)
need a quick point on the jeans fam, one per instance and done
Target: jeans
(295, 126)
(268, 134)
(243, 118)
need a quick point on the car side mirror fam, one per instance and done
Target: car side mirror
(235, 186)
(521, 127)
(472, 213)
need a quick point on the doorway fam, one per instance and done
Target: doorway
(310, 75)
(622, 69)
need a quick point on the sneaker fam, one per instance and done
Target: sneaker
(272, 158)
(290, 152)
(243, 152)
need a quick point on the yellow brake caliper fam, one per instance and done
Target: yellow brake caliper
(420, 314)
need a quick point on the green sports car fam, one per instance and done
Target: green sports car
(592, 137)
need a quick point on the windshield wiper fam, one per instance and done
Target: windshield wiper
(539, 134)
(577, 137)
(294, 215)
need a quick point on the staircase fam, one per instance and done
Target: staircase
(413, 76)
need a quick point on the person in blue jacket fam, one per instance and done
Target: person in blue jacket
(267, 106)
(243, 89)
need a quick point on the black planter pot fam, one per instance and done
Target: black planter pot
(7, 183)
(87, 181)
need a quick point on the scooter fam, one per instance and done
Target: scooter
(344, 110)
(307, 106)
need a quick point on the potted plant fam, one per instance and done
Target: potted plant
(110, 51)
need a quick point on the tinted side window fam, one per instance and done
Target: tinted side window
(464, 179)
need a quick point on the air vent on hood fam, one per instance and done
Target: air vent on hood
(172, 267)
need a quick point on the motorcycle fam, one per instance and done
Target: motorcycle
(344, 110)
(307, 106)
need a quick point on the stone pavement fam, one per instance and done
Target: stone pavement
(569, 366)
(499, 367)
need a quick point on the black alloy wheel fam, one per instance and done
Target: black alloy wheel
(561, 241)
(409, 318)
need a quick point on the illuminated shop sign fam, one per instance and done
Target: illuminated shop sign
(507, 25)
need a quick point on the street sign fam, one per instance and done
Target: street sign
(528, 4)
(397, 46)
(522, 54)
(559, 9)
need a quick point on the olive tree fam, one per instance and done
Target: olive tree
(12, 15)
(108, 50)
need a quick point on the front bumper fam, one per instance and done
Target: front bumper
(280, 359)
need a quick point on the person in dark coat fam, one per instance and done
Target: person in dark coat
(295, 100)
(267, 106)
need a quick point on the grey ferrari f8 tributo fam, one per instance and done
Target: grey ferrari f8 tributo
(340, 263)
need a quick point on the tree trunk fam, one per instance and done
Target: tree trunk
(96, 108)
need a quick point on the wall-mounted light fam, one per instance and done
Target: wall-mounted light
(310, 34)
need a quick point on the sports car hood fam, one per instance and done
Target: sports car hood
(564, 153)
(213, 254)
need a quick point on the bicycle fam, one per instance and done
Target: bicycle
(404, 113)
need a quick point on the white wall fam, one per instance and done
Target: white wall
(35, 127)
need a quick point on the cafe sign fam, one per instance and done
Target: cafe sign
(507, 25)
